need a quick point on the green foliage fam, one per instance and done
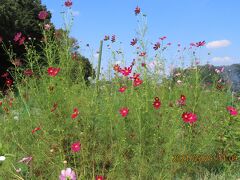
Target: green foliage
(21, 16)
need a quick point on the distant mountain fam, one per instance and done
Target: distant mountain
(232, 73)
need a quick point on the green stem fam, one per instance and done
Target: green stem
(99, 64)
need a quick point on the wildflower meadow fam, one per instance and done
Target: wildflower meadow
(136, 120)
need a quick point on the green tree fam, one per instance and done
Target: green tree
(19, 16)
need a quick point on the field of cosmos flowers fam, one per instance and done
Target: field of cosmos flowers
(138, 125)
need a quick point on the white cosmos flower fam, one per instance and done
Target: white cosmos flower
(2, 158)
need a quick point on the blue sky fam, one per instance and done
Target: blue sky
(182, 21)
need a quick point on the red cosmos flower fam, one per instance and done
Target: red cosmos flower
(122, 89)
(17, 36)
(137, 82)
(126, 71)
(9, 82)
(76, 146)
(36, 129)
(5, 74)
(124, 111)
(157, 103)
(134, 41)
(233, 111)
(21, 41)
(113, 39)
(182, 101)
(117, 68)
(42, 15)
(74, 56)
(189, 117)
(156, 46)
(162, 38)
(54, 107)
(75, 113)
(53, 71)
(144, 65)
(28, 72)
(106, 38)
(10, 102)
(135, 76)
(137, 10)
(68, 3)
(99, 178)
(0, 103)
(143, 54)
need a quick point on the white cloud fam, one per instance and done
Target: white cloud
(223, 60)
(218, 44)
(75, 13)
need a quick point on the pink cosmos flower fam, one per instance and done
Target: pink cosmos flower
(53, 71)
(67, 174)
(21, 41)
(17, 36)
(47, 26)
(189, 117)
(26, 160)
(42, 15)
(200, 43)
(124, 111)
(233, 111)
(162, 38)
(28, 72)
(68, 3)
(76, 146)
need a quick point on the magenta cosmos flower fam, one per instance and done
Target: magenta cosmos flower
(99, 178)
(68, 3)
(53, 71)
(233, 111)
(189, 117)
(124, 111)
(122, 89)
(42, 15)
(67, 174)
(17, 36)
(76, 146)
